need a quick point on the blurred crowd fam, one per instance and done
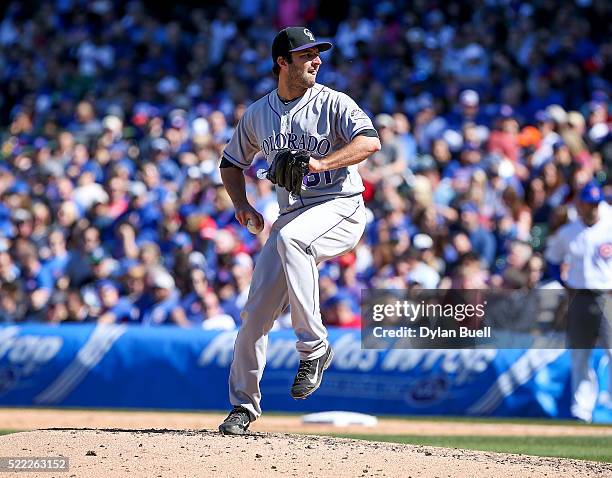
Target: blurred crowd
(492, 116)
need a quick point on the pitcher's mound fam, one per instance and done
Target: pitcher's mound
(186, 453)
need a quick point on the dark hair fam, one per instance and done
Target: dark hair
(276, 68)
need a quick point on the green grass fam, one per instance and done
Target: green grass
(492, 420)
(6, 432)
(596, 448)
(465, 419)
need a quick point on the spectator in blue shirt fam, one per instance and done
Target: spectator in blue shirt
(468, 111)
(78, 269)
(37, 280)
(192, 309)
(59, 258)
(168, 169)
(162, 300)
(114, 308)
(482, 240)
(405, 138)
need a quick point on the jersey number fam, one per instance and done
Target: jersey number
(312, 179)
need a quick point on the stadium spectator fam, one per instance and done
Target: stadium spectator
(155, 307)
(55, 310)
(78, 269)
(214, 317)
(37, 281)
(12, 303)
(77, 310)
(482, 240)
(135, 282)
(58, 255)
(114, 308)
(191, 311)
(390, 162)
(338, 312)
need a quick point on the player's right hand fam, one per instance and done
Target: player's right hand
(244, 213)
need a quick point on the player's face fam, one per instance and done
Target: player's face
(587, 212)
(304, 68)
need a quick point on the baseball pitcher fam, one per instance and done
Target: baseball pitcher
(313, 138)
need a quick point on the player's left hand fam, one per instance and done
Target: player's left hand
(288, 170)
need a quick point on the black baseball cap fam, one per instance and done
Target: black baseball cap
(293, 39)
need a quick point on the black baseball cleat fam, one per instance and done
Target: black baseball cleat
(237, 422)
(309, 375)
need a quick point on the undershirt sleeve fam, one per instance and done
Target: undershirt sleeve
(227, 164)
(370, 133)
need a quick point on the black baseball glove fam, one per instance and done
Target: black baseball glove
(288, 170)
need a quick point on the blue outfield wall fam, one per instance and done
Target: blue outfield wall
(168, 367)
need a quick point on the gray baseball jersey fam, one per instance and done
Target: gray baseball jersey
(319, 122)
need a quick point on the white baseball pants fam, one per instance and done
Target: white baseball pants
(585, 389)
(286, 274)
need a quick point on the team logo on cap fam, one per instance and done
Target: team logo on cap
(309, 34)
(605, 250)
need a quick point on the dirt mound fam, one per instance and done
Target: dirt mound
(190, 453)
(29, 419)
